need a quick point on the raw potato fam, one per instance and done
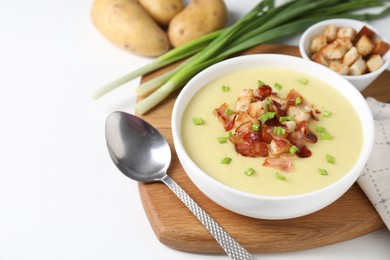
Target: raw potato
(126, 24)
(162, 11)
(198, 18)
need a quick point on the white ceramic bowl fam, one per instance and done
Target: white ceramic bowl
(360, 81)
(271, 207)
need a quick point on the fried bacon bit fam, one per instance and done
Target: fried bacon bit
(226, 120)
(292, 96)
(262, 92)
(303, 152)
(248, 142)
(282, 162)
(264, 141)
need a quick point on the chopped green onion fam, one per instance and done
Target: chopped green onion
(285, 118)
(226, 160)
(326, 113)
(277, 86)
(298, 101)
(263, 24)
(280, 176)
(225, 88)
(279, 130)
(197, 121)
(260, 83)
(229, 111)
(320, 129)
(329, 158)
(322, 171)
(293, 149)
(249, 172)
(326, 136)
(269, 115)
(268, 101)
(256, 127)
(222, 139)
(228, 134)
(303, 80)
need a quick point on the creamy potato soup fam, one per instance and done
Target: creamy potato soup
(332, 120)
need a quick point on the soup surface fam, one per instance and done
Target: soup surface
(330, 160)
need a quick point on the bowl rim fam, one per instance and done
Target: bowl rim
(179, 108)
(352, 22)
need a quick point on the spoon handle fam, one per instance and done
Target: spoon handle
(229, 244)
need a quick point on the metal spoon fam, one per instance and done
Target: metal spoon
(141, 153)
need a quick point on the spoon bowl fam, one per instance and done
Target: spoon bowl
(138, 150)
(141, 153)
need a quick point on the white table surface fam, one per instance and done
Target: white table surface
(61, 197)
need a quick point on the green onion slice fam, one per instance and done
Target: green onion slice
(280, 176)
(326, 113)
(277, 86)
(303, 80)
(225, 88)
(269, 115)
(322, 171)
(226, 160)
(293, 149)
(329, 158)
(256, 127)
(250, 172)
(197, 121)
(222, 139)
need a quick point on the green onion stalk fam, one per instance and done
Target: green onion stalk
(263, 24)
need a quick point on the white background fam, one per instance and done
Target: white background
(61, 197)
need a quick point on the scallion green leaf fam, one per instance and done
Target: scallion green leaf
(197, 120)
(226, 160)
(303, 80)
(280, 176)
(225, 88)
(322, 171)
(329, 158)
(250, 172)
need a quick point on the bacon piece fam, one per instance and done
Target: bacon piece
(226, 120)
(277, 108)
(297, 138)
(303, 152)
(262, 92)
(282, 162)
(265, 136)
(310, 137)
(248, 142)
(291, 97)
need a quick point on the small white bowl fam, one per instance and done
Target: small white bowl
(260, 206)
(361, 81)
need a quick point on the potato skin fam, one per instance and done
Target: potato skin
(198, 18)
(162, 11)
(126, 24)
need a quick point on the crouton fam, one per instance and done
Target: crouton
(243, 117)
(320, 58)
(350, 56)
(374, 62)
(381, 47)
(365, 45)
(256, 109)
(334, 50)
(346, 42)
(365, 31)
(317, 43)
(330, 32)
(346, 32)
(339, 67)
(299, 113)
(244, 99)
(358, 67)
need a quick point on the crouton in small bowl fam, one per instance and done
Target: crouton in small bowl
(352, 48)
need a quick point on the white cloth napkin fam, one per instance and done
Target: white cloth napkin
(375, 179)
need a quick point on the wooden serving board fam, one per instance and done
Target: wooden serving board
(174, 225)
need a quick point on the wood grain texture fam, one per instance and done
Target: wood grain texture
(175, 226)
